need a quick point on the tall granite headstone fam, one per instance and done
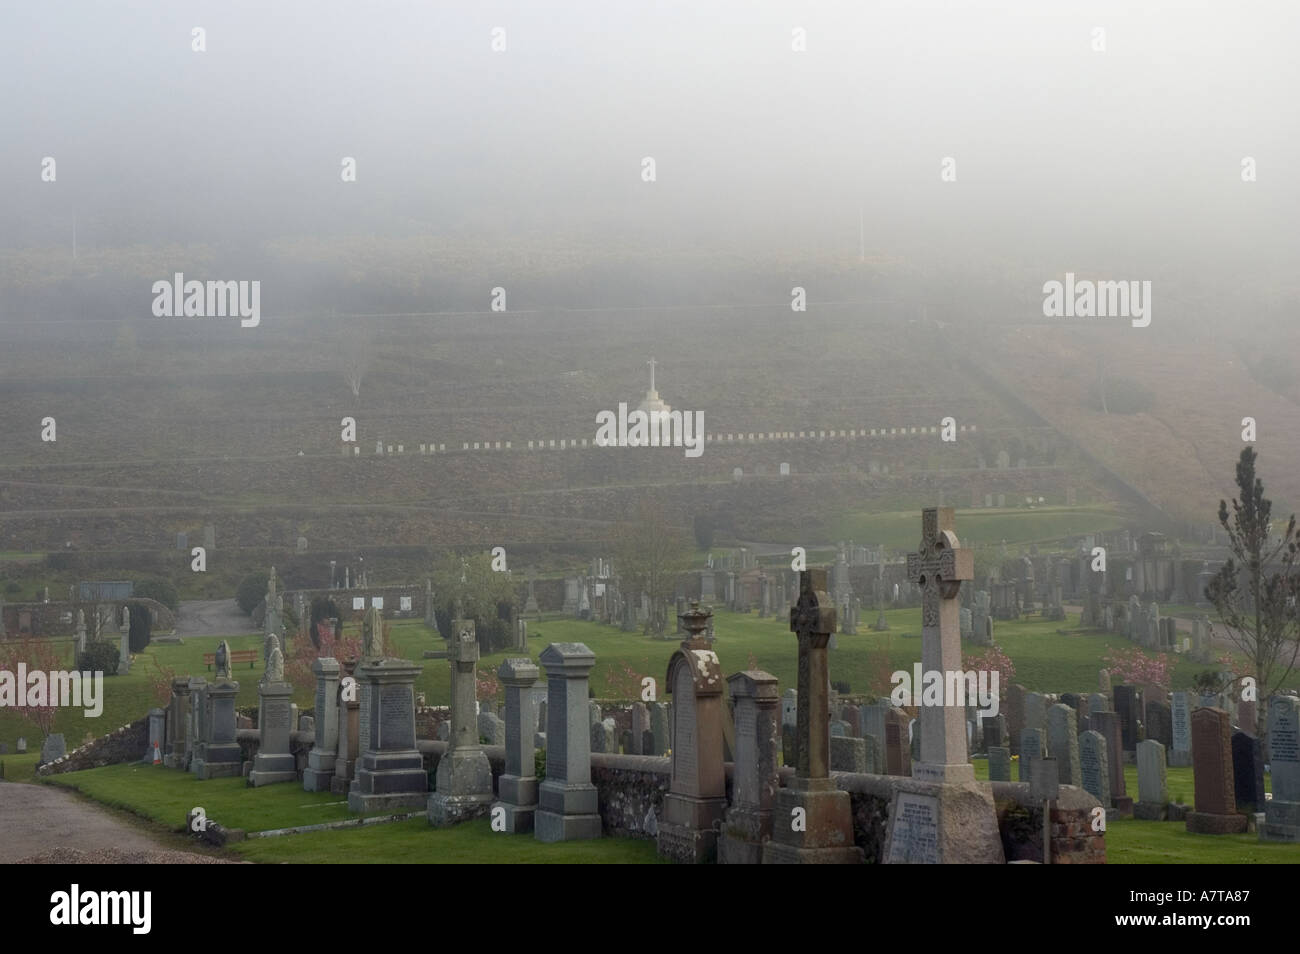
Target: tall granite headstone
(567, 808)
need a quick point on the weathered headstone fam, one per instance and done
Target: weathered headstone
(1159, 724)
(1015, 716)
(995, 731)
(217, 754)
(1107, 723)
(273, 763)
(826, 834)
(1126, 709)
(158, 743)
(518, 783)
(660, 728)
(177, 715)
(748, 822)
(463, 782)
(124, 647)
(1153, 792)
(1212, 771)
(319, 774)
(1033, 747)
(696, 800)
(567, 808)
(53, 747)
(898, 754)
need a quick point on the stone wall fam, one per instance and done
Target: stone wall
(126, 744)
(48, 619)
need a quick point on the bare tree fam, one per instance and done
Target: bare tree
(649, 555)
(1254, 592)
(356, 355)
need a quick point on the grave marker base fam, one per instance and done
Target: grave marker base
(952, 823)
(828, 819)
(1203, 823)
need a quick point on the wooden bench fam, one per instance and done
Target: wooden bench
(236, 656)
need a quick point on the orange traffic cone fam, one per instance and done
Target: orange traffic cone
(157, 755)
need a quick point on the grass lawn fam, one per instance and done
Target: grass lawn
(166, 796)
(415, 842)
(21, 768)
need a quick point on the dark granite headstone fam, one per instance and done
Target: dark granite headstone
(1247, 772)
(1126, 709)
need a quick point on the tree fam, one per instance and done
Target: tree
(485, 595)
(703, 531)
(250, 592)
(355, 355)
(649, 555)
(1254, 592)
(34, 702)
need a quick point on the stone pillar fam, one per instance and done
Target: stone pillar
(463, 787)
(219, 755)
(696, 801)
(319, 774)
(124, 648)
(567, 808)
(518, 784)
(349, 730)
(748, 822)
(827, 832)
(176, 719)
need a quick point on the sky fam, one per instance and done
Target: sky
(1127, 157)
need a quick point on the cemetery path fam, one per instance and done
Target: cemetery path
(212, 618)
(40, 819)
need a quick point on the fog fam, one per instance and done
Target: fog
(1127, 159)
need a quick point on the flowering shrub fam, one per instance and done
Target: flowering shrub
(624, 682)
(1137, 668)
(301, 654)
(486, 686)
(992, 659)
(40, 656)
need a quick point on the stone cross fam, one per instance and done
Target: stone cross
(812, 620)
(938, 569)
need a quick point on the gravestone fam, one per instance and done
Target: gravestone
(696, 799)
(999, 763)
(748, 822)
(827, 833)
(567, 808)
(660, 728)
(158, 744)
(463, 783)
(1107, 723)
(602, 737)
(1282, 811)
(1063, 742)
(217, 754)
(1212, 771)
(177, 715)
(1033, 748)
(898, 753)
(20, 747)
(53, 748)
(1035, 709)
(1126, 709)
(124, 647)
(941, 814)
(849, 755)
(1015, 713)
(349, 730)
(1159, 725)
(319, 774)
(1153, 791)
(1180, 719)
(640, 726)
(491, 729)
(1094, 766)
(1247, 773)
(995, 731)
(517, 785)
(274, 762)
(389, 771)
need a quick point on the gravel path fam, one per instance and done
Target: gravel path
(212, 618)
(44, 824)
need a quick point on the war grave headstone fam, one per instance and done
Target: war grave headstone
(567, 808)
(1212, 771)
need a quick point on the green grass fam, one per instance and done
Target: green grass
(166, 796)
(21, 768)
(415, 842)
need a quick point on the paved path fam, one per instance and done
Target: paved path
(212, 618)
(37, 820)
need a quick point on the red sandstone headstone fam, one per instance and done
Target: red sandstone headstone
(1216, 803)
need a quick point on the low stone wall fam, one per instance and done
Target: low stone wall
(126, 744)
